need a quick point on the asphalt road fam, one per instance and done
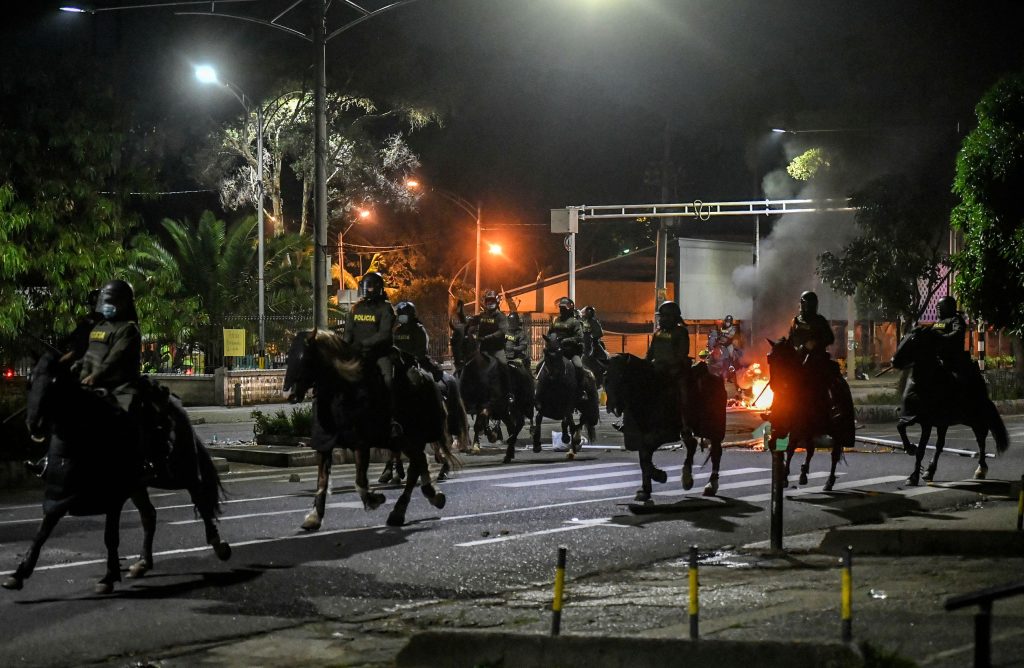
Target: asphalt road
(500, 530)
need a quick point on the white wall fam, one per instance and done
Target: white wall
(706, 290)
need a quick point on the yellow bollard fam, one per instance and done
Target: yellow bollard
(694, 597)
(556, 604)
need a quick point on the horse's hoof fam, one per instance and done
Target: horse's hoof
(570, 455)
(396, 518)
(373, 500)
(981, 473)
(222, 549)
(914, 480)
(910, 449)
(803, 475)
(643, 497)
(536, 447)
(476, 448)
(313, 521)
(104, 586)
(438, 500)
(565, 437)
(711, 488)
(830, 483)
(659, 476)
(687, 476)
(442, 475)
(591, 433)
(384, 478)
(13, 583)
(139, 568)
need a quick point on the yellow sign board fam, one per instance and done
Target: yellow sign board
(234, 342)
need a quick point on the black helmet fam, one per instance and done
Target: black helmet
(406, 308)
(566, 307)
(589, 312)
(491, 300)
(371, 286)
(808, 302)
(727, 321)
(514, 321)
(947, 307)
(116, 301)
(670, 310)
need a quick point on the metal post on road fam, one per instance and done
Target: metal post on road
(694, 608)
(778, 484)
(556, 604)
(1020, 506)
(846, 612)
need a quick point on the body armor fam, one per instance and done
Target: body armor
(368, 326)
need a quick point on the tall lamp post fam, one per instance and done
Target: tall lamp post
(208, 75)
(477, 213)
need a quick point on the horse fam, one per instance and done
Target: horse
(559, 396)
(595, 360)
(934, 398)
(653, 415)
(93, 471)
(803, 412)
(350, 410)
(480, 382)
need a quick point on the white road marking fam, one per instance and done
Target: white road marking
(519, 473)
(633, 483)
(572, 525)
(739, 485)
(577, 478)
(881, 480)
(269, 513)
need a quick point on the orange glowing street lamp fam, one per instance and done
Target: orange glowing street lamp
(494, 249)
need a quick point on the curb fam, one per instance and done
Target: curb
(452, 649)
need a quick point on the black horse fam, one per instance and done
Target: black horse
(934, 398)
(350, 410)
(95, 463)
(805, 412)
(559, 397)
(480, 382)
(654, 415)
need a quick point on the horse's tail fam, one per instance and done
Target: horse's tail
(210, 490)
(458, 419)
(994, 421)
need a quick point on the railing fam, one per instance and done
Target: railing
(983, 598)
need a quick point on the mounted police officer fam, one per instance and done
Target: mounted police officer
(811, 334)
(491, 329)
(951, 333)
(368, 328)
(670, 345)
(568, 331)
(726, 339)
(517, 344)
(593, 333)
(411, 338)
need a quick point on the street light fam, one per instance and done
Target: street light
(208, 75)
(474, 211)
(361, 215)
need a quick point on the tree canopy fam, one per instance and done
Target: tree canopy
(990, 214)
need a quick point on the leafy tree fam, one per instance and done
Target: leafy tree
(989, 173)
(66, 169)
(808, 164)
(901, 245)
(367, 158)
(204, 278)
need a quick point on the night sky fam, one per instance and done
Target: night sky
(549, 103)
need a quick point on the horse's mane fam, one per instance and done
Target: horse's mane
(340, 355)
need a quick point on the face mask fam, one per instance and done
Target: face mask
(108, 311)
(403, 320)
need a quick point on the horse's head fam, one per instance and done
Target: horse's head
(311, 354)
(46, 377)
(614, 381)
(783, 363)
(917, 345)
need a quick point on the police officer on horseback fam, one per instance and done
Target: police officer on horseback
(593, 333)
(726, 340)
(411, 338)
(368, 329)
(670, 345)
(517, 345)
(491, 328)
(950, 331)
(810, 330)
(568, 332)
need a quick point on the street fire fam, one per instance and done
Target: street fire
(753, 385)
(762, 394)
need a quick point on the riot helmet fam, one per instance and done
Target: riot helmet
(406, 312)
(371, 286)
(566, 307)
(669, 314)
(491, 300)
(589, 312)
(727, 321)
(515, 323)
(808, 303)
(116, 301)
(947, 307)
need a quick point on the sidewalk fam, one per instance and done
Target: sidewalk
(757, 608)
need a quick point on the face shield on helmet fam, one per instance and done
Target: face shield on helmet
(406, 312)
(491, 300)
(588, 312)
(371, 286)
(728, 321)
(566, 307)
(514, 322)
(808, 303)
(669, 315)
(116, 301)
(947, 307)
